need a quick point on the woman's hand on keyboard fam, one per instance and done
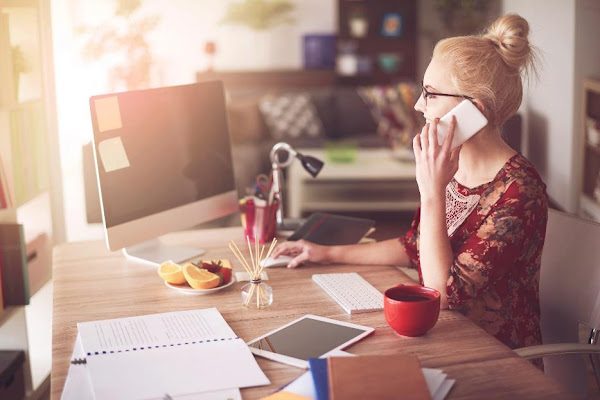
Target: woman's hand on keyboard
(302, 251)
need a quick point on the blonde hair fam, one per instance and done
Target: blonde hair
(488, 66)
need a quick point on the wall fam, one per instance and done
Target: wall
(177, 46)
(566, 31)
(550, 101)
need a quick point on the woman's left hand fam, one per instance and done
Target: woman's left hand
(436, 164)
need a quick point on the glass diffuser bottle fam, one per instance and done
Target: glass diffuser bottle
(257, 294)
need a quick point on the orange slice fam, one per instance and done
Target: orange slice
(199, 278)
(171, 272)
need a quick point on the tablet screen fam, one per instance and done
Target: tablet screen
(307, 338)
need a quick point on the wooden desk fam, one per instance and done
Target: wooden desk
(91, 283)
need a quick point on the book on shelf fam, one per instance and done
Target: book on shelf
(5, 197)
(15, 280)
(2, 296)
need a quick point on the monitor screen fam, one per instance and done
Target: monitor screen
(157, 152)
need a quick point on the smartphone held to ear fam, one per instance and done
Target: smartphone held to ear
(469, 121)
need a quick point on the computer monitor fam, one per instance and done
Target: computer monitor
(163, 162)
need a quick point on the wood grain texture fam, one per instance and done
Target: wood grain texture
(91, 283)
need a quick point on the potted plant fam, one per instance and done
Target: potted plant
(259, 15)
(358, 23)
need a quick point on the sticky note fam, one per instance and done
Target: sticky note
(112, 154)
(108, 113)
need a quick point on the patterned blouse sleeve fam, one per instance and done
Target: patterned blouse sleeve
(511, 232)
(409, 240)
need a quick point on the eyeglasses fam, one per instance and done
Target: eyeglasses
(425, 93)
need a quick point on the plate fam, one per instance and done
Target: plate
(187, 289)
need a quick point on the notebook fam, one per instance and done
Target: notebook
(380, 377)
(78, 385)
(330, 229)
(178, 353)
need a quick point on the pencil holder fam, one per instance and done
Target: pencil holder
(257, 294)
(259, 219)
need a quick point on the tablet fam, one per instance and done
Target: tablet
(308, 337)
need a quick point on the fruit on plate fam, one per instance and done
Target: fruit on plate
(220, 267)
(171, 272)
(199, 278)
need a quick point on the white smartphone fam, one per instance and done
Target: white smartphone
(469, 121)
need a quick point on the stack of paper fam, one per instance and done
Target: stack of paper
(189, 355)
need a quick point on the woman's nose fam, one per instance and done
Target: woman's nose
(420, 104)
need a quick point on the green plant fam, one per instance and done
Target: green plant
(259, 15)
(124, 35)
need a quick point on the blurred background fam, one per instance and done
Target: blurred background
(334, 77)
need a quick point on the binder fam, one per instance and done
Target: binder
(15, 280)
(330, 229)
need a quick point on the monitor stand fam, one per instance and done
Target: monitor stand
(155, 252)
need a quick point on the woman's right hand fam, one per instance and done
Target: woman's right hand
(302, 251)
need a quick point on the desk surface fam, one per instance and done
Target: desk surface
(91, 283)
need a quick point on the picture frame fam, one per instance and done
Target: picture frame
(391, 24)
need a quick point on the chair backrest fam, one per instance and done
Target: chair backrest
(569, 292)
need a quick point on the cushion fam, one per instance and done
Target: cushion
(324, 102)
(291, 115)
(245, 121)
(392, 106)
(353, 115)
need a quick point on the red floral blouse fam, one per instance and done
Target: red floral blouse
(494, 279)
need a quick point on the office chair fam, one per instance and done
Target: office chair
(569, 295)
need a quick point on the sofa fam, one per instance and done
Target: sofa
(342, 112)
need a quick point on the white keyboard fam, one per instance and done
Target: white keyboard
(350, 291)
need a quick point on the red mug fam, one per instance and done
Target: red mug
(411, 310)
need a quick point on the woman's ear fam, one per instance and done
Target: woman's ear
(479, 105)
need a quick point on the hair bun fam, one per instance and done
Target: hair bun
(508, 34)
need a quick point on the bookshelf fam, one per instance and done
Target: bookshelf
(590, 195)
(377, 42)
(31, 172)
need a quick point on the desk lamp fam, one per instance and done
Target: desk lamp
(311, 164)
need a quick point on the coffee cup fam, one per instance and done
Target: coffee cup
(411, 310)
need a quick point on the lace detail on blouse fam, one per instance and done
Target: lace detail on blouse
(458, 207)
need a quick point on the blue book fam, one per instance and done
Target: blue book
(318, 369)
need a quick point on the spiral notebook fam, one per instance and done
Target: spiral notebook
(176, 353)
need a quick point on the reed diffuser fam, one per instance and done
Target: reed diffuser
(255, 294)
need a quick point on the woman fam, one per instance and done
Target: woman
(478, 234)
